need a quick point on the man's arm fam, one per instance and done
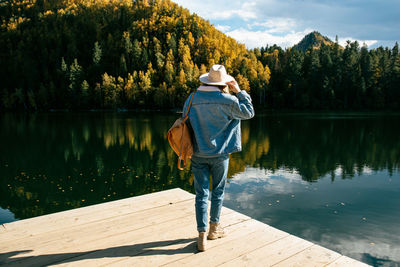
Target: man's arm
(243, 108)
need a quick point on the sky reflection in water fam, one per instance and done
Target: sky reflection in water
(358, 217)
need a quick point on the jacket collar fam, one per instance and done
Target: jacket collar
(208, 88)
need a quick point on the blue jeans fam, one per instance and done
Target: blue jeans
(202, 168)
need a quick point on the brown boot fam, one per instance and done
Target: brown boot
(216, 231)
(202, 241)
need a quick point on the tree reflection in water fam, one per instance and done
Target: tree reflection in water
(59, 161)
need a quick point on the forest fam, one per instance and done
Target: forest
(333, 77)
(148, 54)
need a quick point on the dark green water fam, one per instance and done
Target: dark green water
(333, 179)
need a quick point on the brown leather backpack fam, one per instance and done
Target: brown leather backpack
(180, 138)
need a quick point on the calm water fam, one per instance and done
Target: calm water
(333, 179)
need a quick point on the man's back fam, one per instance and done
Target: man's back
(215, 120)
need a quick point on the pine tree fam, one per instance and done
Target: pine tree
(109, 91)
(75, 77)
(136, 54)
(97, 53)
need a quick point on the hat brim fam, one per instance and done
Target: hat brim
(204, 79)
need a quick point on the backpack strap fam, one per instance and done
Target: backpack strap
(179, 163)
(188, 109)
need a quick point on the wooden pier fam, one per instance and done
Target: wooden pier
(152, 230)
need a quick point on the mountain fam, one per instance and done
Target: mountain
(313, 40)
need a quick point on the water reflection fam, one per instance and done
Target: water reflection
(316, 145)
(53, 162)
(316, 176)
(357, 217)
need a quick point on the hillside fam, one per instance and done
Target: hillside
(110, 54)
(313, 40)
(84, 54)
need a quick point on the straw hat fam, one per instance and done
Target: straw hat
(216, 76)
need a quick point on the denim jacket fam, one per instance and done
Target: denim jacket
(215, 119)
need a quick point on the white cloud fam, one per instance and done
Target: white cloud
(279, 181)
(242, 12)
(338, 171)
(249, 5)
(260, 175)
(254, 39)
(203, 8)
(343, 41)
(276, 25)
(250, 181)
(223, 28)
(220, 10)
(356, 247)
(367, 170)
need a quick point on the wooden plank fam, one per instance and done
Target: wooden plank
(23, 228)
(344, 261)
(174, 194)
(155, 257)
(271, 253)
(138, 203)
(187, 249)
(312, 256)
(128, 244)
(102, 228)
(233, 249)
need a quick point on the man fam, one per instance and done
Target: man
(215, 117)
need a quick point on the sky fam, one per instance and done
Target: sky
(257, 23)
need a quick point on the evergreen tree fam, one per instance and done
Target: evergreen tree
(97, 53)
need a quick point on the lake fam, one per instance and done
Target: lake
(330, 178)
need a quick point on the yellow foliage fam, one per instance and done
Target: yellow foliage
(252, 74)
(203, 69)
(243, 82)
(159, 33)
(182, 77)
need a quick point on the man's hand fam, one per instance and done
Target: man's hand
(233, 86)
